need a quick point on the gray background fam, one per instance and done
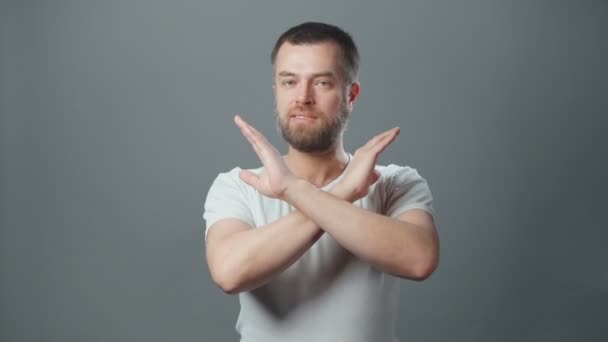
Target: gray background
(117, 115)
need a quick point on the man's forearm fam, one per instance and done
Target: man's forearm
(253, 257)
(394, 246)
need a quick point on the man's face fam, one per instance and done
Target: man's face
(312, 104)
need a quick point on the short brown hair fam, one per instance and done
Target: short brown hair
(313, 32)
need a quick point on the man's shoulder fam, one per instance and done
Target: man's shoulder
(230, 179)
(393, 170)
(234, 172)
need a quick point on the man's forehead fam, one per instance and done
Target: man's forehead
(316, 57)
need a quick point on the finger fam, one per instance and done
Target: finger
(259, 137)
(391, 132)
(249, 178)
(373, 141)
(239, 121)
(244, 127)
(261, 146)
(383, 143)
(249, 138)
(247, 132)
(257, 140)
(257, 134)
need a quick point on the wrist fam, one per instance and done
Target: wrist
(297, 187)
(342, 192)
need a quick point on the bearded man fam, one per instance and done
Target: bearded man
(315, 242)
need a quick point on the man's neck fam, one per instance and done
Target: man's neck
(318, 168)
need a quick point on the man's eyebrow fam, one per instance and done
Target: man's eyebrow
(324, 74)
(286, 74)
(319, 74)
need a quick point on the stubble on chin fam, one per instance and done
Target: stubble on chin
(313, 139)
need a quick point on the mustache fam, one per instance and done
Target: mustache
(302, 109)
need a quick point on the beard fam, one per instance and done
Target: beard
(314, 139)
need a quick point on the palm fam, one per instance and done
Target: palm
(270, 182)
(275, 177)
(361, 173)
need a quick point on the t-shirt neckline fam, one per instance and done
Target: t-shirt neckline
(340, 176)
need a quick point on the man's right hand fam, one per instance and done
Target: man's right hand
(361, 174)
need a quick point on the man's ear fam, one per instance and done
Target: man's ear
(353, 94)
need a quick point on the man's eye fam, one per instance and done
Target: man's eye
(288, 82)
(324, 83)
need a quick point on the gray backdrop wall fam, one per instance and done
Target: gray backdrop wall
(117, 116)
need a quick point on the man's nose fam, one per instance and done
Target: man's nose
(305, 94)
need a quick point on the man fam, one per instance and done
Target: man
(314, 242)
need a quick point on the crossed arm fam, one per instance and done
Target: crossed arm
(242, 259)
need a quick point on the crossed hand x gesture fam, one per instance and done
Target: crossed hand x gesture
(276, 178)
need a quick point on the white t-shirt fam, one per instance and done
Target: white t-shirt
(328, 294)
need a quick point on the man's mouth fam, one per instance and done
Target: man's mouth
(302, 116)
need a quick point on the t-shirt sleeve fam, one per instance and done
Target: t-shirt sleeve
(227, 198)
(406, 189)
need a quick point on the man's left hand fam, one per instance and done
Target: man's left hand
(276, 177)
